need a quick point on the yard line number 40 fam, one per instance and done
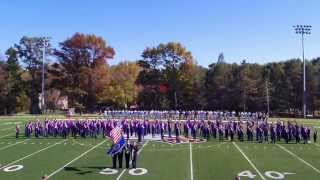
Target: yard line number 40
(269, 174)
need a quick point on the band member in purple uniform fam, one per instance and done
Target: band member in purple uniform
(176, 129)
(135, 150)
(17, 131)
(169, 128)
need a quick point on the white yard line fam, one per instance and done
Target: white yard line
(299, 158)
(123, 171)
(245, 156)
(191, 164)
(5, 147)
(7, 129)
(75, 159)
(10, 123)
(120, 175)
(6, 135)
(13, 162)
(317, 144)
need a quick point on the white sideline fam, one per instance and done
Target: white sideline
(123, 171)
(299, 158)
(191, 164)
(245, 156)
(5, 147)
(13, 162)
(7, 129)
(10, 123)
(58, 170)
(6, 135)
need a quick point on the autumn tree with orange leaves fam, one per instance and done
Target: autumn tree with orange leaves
(82, 70)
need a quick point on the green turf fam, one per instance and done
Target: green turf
(84, 159)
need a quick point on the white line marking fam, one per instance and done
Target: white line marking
(6, 129)
(13, 162)
(245, 156)
(75, 159)
(130, 162)
(122, 172)
(5, 147)
(299, 158)
(191, 164)
(10, 123)
(317, 144)
(6, 135)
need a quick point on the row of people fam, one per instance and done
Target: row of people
(242, 130)
(185, 115)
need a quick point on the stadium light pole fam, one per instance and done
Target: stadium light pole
(267, 91)
(43, 103)
(303, 30)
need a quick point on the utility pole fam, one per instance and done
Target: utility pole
(303, 30)
(43, 102)
(267, 89)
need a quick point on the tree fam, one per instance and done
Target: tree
(313, 85)
(293, 82)
(14, 81)
(219, 79)
(30, 50)
(163, 65)
(3, 87)
(193, 87)
(122, 91)
(82, 68)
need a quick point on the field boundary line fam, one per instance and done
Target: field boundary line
(13, 162)
(6, 135)
(75, 159)
(123, 171)
(316, 144)
(191, 163)
(299, 158)
(250, 162)
(10, 124)
(7, 129)
(6, 147)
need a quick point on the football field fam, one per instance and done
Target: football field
(86, 159)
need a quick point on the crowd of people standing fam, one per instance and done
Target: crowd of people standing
(204, 125)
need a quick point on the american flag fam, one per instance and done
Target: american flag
(116, 134)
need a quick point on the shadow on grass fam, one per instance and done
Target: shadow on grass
(83, 170)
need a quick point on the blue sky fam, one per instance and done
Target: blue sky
(257, 30)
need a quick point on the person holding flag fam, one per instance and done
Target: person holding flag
(127, 154)
(119, 143)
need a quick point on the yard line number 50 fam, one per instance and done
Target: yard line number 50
(133, 172)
